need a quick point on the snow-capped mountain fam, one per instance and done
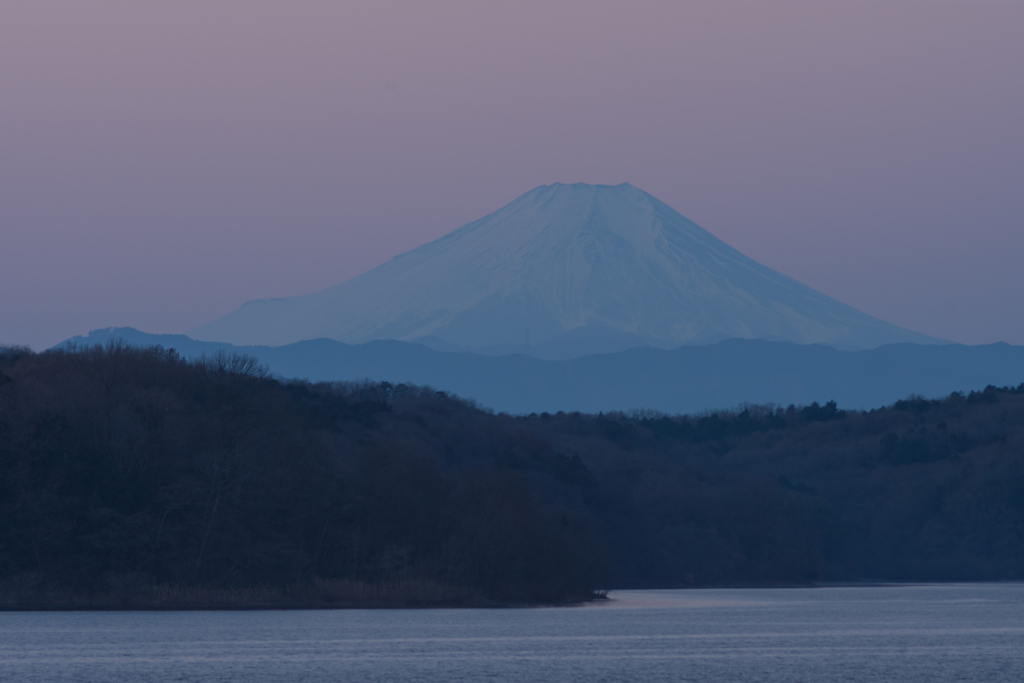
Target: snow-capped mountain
(571, 267)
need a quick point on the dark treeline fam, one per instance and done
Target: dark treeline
(132, 477)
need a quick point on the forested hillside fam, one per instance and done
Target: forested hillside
(133, 477)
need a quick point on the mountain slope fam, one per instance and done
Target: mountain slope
(564, 264)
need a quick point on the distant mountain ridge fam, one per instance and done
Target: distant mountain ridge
(689, 379)
(564, 271)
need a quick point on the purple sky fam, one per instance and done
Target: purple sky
(162, 163)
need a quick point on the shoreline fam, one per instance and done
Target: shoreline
(271, 601)
(322, 595)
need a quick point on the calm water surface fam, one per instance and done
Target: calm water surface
(897, 633)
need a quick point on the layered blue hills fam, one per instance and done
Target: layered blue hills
(687, 379)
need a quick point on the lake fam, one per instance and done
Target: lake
(962, 632)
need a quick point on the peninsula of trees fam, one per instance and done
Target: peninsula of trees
(130, 477)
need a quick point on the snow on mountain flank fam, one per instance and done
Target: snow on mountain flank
(574, 267)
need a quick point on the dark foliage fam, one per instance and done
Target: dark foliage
(126, 467)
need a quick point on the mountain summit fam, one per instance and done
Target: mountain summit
(576, 268)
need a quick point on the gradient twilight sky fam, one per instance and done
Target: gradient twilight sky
(162, 163)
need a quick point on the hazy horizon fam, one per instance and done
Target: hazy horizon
(165, 164)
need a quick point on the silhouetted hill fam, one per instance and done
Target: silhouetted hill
(685, 380)
(131, 477)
